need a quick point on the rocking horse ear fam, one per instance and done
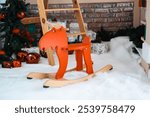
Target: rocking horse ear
(53, 29)
(62, 28)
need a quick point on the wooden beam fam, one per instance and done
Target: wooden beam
(136, 14)
(30, 20)
(46, 4)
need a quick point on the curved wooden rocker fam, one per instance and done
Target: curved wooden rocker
(56, 39)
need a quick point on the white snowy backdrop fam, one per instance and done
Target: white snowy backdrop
(126, 81)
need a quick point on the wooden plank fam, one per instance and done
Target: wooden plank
(30, 20)
(50, 57)
(42, 14)
(79, 17)
(136, 14)
(64, 82)
(148, 22)
(43, 19)
(46, 4)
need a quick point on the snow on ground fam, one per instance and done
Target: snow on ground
(126, 81)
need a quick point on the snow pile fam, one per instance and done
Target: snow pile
(126, 81)
(121, 48)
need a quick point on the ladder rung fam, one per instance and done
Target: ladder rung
(67, 9)
(76, 34)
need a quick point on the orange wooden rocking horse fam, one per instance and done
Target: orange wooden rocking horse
(56, 39)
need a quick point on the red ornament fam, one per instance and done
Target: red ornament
(6, 64)
(16, 63)
(16, 31)
(31, 39)
(21, 56)
(2, 52)
(21, 15)
(32, 58)
(2, 16)
(27, 34)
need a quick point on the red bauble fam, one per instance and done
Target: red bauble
(21, 56)
(2, 52)
(16, 31)
(16, 63)
(32, 58)
(31, 40)
(2, 16)
(27, 34)
(6, 64)
(21, 15)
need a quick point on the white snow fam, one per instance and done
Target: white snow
(126, 81)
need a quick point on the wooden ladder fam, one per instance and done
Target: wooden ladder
(43, 10)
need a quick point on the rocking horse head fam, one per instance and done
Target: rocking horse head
(54, 38)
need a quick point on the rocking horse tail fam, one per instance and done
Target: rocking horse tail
(63, 61)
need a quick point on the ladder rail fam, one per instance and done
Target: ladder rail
(43, 18)
(43, 12)
(79, 16)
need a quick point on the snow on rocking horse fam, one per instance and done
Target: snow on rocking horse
(56, 39)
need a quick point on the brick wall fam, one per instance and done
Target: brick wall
(111, 16)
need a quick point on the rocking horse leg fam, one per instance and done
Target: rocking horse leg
(79, 60)
(88, 60)
(63, 61)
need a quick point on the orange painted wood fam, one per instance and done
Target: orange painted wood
(56, 39)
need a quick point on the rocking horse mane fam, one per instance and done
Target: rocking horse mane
(55, 38)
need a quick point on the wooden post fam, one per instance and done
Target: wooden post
(43, 19)
(46, 4)
(148, 22)
(144, 64)
(136, 14)
(79, 17)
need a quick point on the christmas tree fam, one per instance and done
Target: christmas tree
(14, 34)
